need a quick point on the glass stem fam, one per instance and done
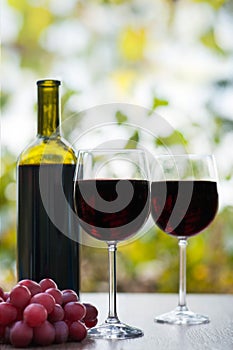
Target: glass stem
(112, 313)
(182, 280)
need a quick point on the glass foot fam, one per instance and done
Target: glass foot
(114, 331)
(182, 315)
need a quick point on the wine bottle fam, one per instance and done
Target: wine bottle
(47, 228)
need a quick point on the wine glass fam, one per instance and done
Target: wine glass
(112, 202)
(184, 201)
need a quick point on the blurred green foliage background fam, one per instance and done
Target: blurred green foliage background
(174, 58)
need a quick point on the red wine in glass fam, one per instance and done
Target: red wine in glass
(189, 219)
(116, 225)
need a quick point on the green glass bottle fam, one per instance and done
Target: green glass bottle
(47, 228)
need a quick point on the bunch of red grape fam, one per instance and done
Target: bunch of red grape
(41, 314)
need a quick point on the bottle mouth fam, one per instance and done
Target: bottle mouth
(48, 83)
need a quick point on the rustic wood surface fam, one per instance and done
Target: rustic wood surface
(140, 309)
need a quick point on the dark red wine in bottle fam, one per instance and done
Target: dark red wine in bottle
(183, 208)
(47, 227)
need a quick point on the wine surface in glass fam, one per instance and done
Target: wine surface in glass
(114, 224)
(183, 208)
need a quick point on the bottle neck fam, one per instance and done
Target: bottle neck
(48, 108)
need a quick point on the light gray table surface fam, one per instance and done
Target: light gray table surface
(140, 309)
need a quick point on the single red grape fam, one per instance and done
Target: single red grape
(91, 312)
(20, 296)
(61, 332)
(44, 334)
(90, 324)
(77, 331)
(69, 295)
(47, 283)
(33, 286)
(74, 311)
(8, 313)
(56, 293)
(57, 314)
(35, 314)
(21, 334)
(44, 299)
